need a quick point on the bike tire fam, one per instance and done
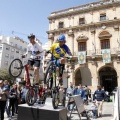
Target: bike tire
(12, 71)
(55, 100)
(29, 95)
(48, 81)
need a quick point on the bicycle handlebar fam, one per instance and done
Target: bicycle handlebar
(69, 57)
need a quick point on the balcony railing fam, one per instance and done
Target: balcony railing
(86, 6)
(99, 52)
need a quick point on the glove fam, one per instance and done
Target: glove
(70, 57)
(47, 51)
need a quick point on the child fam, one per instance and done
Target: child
(94, 109)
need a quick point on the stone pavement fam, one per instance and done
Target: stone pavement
(107, 113)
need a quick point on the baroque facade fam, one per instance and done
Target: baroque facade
(93, 31)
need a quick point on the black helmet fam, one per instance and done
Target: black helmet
(31, 36)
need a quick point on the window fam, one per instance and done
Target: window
(61, 25)
(7, 55)
(7, 48)
(15, 45)
(6, 63)
(12, 49)
(81, 21)
(17, 51)
(82, 46)
(102, 17)
(0, 48)
(105, 44)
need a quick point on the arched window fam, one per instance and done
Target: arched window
(82, 44)
(104, 37)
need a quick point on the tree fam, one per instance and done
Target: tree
(4, 75)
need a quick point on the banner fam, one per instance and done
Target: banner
(82, 57)
(106, 56)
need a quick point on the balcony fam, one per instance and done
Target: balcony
(98, 52)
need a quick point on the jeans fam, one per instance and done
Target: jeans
(2, 109)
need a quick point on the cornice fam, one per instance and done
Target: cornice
(106, 22)
(88, 9)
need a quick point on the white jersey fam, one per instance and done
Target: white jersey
(35, 50)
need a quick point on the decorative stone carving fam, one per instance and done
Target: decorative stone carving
(70, 33)
(51, 36)
(104, 34)
(92, 30)
(116, 27)
(82, 38)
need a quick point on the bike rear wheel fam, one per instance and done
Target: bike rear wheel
(49, 76)
(30, 96)
(15, 68)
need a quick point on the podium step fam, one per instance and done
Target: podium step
(38, 112)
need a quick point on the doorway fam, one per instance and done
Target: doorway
(108, 78)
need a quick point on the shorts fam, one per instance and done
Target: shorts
(34, 62)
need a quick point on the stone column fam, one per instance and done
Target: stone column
(94, 76)
(71, 40)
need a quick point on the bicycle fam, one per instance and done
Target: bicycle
(50, 79)
(15, 70)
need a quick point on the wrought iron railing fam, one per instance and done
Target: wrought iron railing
(99, 52)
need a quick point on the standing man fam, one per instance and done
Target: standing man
(36, 55)
(81, 91)
(99, 96)
(3, 98)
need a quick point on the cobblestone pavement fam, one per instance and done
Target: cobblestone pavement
(107, 113)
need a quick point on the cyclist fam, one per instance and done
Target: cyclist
(36, 55)
(59, 50)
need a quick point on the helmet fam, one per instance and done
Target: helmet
(61, 37)
(31, 36)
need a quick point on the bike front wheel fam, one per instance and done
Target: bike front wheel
(48, 79)
(15, 68)
(30, 96)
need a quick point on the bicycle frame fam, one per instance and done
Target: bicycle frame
(28, 83)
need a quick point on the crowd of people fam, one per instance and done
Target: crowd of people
(11, 96)
(97, 98)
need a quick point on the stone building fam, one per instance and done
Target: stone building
(93, 35)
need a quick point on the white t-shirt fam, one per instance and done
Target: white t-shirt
(35, 50)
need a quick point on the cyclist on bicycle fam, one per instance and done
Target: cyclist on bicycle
(36, 55)
(59, 50)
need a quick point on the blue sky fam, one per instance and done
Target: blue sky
(30, 16)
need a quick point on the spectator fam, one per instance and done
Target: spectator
(23, 92)
(13, 99)
(75, 91)
(86, 92)
(3, 98)
(70, 93)
(81, 91)
(99, 96)
(70, 89)
(7, 86)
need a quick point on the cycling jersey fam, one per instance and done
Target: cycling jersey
(59, 51)
(35, 50)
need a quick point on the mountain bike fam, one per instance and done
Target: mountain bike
(50, 79)
(15, 70)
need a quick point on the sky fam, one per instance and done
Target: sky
(22, 17)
